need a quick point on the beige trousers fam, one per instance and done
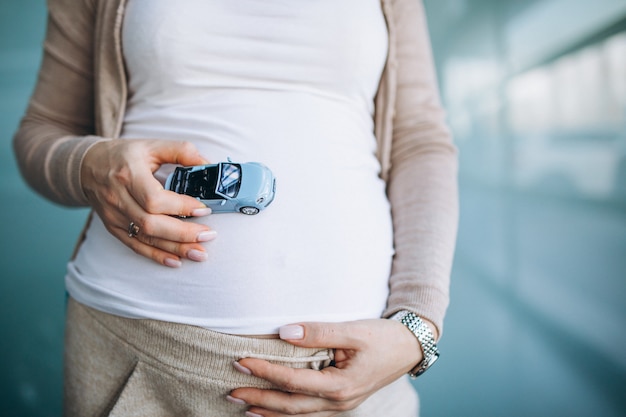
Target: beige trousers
(127, 367)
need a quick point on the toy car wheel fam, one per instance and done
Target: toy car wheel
(249, 210)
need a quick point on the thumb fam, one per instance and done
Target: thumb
(181, 153)
(346, 335)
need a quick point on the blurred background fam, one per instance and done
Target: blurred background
(536, 97)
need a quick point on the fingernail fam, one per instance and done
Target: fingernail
(199, 212)
(173, 263)
(197, 255)
(291, 332)
(242, 368)
(235, 400)
(206, 235)
(251, 414)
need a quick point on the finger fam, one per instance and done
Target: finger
(259, 412)
(345, 335)
(159, 237)
(148, 191)
(150, 195)
(287, 403)
(177, 246)
(172, 236)
(157, 228)
(156, 254)
(277, 403)
(177, 152)
(270, 403)
(327, 383)
(191, 251)
(162, 251)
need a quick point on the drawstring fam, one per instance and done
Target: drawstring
(318, 361)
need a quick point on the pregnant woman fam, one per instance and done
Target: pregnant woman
(317, 306)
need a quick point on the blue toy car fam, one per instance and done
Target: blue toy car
(226, 187)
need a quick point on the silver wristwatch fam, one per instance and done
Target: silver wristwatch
(424, 337)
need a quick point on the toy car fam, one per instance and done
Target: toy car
(226, 187)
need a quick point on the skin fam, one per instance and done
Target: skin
(365, 362)
(117, 177)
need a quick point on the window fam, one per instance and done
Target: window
(230, 180)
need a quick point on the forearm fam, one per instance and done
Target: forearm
(425, 214)
(58, 127)
(50, 161)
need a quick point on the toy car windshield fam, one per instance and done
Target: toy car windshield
(204, 183)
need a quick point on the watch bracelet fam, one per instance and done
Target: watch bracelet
(425, 339)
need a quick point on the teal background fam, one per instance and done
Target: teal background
(536, 96)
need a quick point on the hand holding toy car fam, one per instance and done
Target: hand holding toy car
(117, 178)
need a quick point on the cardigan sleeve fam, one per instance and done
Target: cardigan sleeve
(58, 127)
(422, 177)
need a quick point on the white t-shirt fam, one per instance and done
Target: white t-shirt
(286, 83)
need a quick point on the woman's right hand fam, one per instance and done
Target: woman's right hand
(118, 179)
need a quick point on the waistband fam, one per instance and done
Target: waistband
(197, 350)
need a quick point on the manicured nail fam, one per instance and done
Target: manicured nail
(251, 414)
(291, 332)
(199, 212)
(235, 400)
(173, 263)
(197, 255)
(206, 235)
(242, 368)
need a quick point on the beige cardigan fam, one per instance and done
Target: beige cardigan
(80, 99)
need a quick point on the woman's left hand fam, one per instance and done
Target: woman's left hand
(369, 354)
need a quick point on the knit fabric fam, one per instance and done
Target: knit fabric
(146, 368)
